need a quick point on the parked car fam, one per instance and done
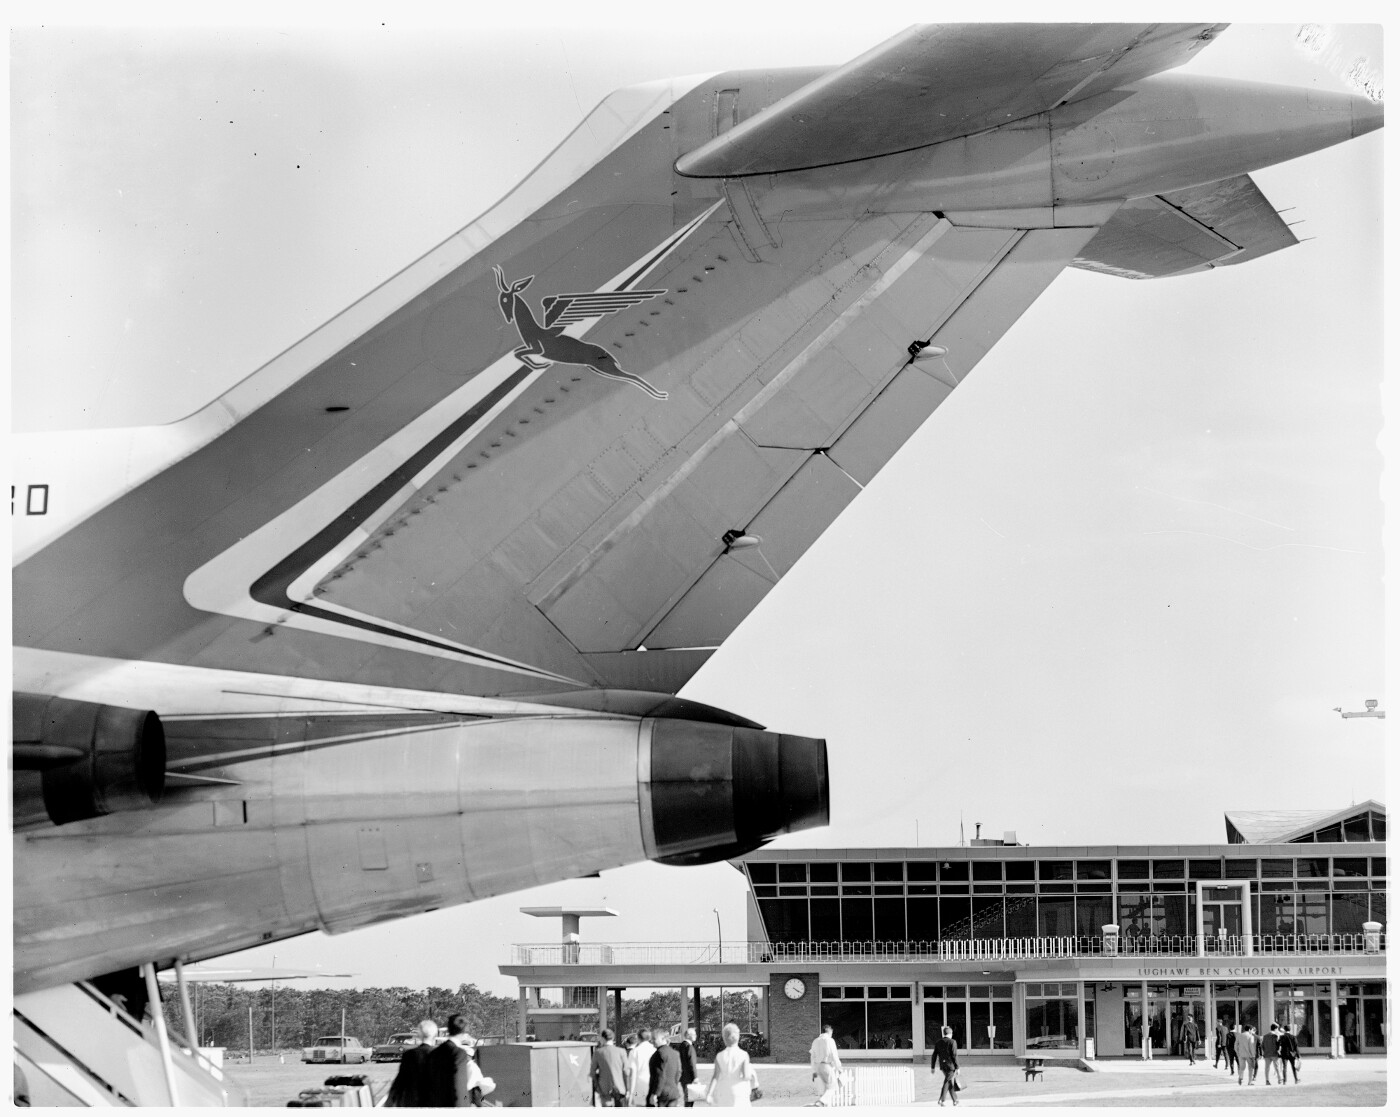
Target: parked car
(392, 1049)
(336, 1049)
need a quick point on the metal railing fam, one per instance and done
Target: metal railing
(945, 950)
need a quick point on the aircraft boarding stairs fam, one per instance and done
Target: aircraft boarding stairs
(76, 1047)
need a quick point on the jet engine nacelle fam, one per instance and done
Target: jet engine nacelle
(79, 760)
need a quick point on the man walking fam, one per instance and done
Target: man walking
(664, 1080)
(826, 1062)
(455, 1074)
(1221, 1041)
(1268, 1048)
(639, 1068)
(609, 1071)
(1190, 1037)
(1288, 1054)
(685, 1048)
(413, 1086)
(1232, 1049)
(1247, 1053)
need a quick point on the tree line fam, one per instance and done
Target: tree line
(285, 1017)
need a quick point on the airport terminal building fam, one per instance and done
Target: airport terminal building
(1096, 951)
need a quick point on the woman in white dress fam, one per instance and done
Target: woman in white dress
(733, 1075)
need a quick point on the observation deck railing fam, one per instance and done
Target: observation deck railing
(945, 950)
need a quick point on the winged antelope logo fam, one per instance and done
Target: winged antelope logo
(545, 343)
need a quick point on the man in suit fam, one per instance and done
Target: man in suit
(609, 1071)
(686, 1050)
(455, 1074)
(664, 1084)
(413, 1085)
(1288, 1055)
(1190, 1037)
(1221, 1034)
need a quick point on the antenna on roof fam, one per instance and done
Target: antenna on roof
(962, 838)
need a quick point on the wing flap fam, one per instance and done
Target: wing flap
(936, 82)
(1226, 222)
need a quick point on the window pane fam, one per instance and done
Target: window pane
(1174, 869)
(957, 1020)
(1311, 914)
(1312, 866)
(986, 870)
(953, 870)
(826, 921)
(847, 1020)
(762, 872)
(1330, 834)
(923, 870)
(1348, 912)
(1378, 828)
(1052, 1023)
(877, 993)
(857, 924)
(794, 916)
(831, 992)
(954, 917)
(891, 1025)
(790, 873)
(1020, 917)
(1378, 866)
(1092, 913)
(1005, 1029)
(1176, 914)
(889, 920)
(1348, 866)
(1132, 870)
(1275, 914)
(822, 870)
(981, 1018)
(889, 870)
(923, 919)
(1277, 867)
(855, 870)
(1200, 869)
(1020, 870)
(1241, 868)
(1092, 870)
(1056, 870)
(1356, 830)
(1056, 916)
(988, 920)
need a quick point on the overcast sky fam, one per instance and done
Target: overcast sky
(1111, 589)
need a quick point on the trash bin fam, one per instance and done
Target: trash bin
(1089, 1047)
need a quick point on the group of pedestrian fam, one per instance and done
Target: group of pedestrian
(445, 1075)
(1242, 1048)
(653, 1069)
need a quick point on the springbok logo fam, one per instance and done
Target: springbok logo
(546, 343)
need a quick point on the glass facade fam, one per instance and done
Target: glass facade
(980, 1015)
(928, 901)
(870, 1017)
(1052, 1015)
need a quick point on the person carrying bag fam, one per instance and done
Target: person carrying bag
(945, 1061)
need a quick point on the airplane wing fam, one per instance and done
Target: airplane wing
(939, 81)
(1184, 231)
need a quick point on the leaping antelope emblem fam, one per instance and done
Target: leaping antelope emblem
(546, 343)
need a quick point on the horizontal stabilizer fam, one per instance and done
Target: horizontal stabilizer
(936, 82)
(1225, 222)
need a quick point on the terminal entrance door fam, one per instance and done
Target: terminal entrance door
(1237, 1004)
(1187, 1000)
(1363, 1017)
(1222, 918)
(1307, 1010)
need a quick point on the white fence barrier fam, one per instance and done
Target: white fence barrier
(875, 1086)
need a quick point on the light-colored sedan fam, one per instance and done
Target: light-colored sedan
(336, 1049)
